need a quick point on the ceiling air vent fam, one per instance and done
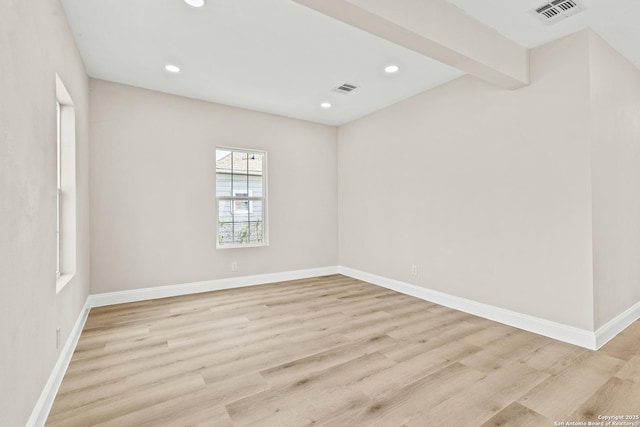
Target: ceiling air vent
(557, 10)
(345, 88)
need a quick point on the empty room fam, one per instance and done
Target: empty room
(340, 213)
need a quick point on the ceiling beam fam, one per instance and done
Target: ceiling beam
(439, 30)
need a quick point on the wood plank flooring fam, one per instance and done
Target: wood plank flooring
(332, 351)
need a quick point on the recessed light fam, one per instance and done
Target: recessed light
(326, 105)
(172, 68)
(391, 69)
(195, 3)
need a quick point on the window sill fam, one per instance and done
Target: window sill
(255, 245)
(62, 281)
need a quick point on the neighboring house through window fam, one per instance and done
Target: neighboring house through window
(241, 197)
(242, 206)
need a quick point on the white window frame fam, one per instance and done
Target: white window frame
(66, 225)
(250, 198)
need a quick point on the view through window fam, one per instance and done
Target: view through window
(241, 197)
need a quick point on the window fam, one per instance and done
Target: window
(58, 130)
(65, 151)
(241, 199)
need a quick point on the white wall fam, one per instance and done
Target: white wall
(153, 192)
(615, 145)
(35, 44)
(486, 190)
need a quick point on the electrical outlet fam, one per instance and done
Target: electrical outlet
(58, 338)
(234, 266)
(414, 270)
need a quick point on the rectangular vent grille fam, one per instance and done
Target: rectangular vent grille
(345, 88)
(557, 10)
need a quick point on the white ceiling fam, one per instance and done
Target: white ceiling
(616, 21)
(280, 57)
(274, 56)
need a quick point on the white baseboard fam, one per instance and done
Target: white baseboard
(616, 325)
(558, 331)
(110, 298)
(43, 405)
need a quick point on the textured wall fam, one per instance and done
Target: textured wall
(486, 191)
(35, 44)
(153, 190)
(615, 145)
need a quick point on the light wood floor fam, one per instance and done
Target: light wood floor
(332, 351)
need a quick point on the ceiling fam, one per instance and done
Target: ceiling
(274, 56)
(616, 21)
(280, 57)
